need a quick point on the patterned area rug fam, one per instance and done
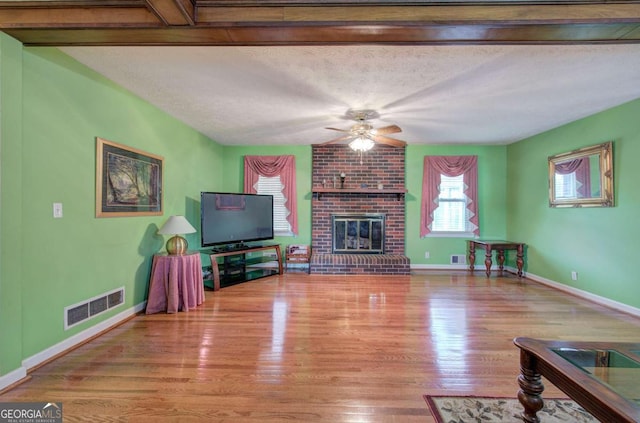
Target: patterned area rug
(478, 409)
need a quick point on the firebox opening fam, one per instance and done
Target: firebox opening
(358, 233)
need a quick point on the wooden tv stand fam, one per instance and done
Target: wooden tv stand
(235, 267)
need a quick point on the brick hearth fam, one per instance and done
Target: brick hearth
(381, 165)
(360, 263)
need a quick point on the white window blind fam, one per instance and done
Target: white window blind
(566, 185)
(273, 186)
(452, 214)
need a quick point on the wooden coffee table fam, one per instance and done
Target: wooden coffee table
(600, 376)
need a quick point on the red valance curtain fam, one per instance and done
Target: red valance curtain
(434, 166)
(583, 175)
(272, 166)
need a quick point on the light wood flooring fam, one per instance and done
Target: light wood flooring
(314, 348)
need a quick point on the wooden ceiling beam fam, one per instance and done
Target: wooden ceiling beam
(408, 14)
(281, 22)
(174, 12)
(334, 35)
(65, 16)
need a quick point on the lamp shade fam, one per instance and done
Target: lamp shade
(176, 225)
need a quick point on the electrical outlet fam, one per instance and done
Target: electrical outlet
(427, 255)
(57, 210)
(574, 275)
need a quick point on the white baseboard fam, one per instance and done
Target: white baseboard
(553, 284)
(80, 337)
(67, 344)
(13, 377)
(586, 295)
(449, 267)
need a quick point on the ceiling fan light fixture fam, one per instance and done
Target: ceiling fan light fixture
(361, 144)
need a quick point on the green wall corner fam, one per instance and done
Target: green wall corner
(594, 242)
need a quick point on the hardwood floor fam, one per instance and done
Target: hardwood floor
(314, 348)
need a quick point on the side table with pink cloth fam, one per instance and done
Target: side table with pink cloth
(175, 284)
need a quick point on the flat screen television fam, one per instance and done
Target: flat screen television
(227, 218)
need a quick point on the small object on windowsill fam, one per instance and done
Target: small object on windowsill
(342, 178)
(364, 186)
(380, 186)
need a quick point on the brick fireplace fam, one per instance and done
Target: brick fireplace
(360, 195)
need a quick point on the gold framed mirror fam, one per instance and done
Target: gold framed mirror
(582, 178)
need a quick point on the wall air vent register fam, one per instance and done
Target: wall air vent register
(77, 313)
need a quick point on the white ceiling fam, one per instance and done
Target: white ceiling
(287, 95)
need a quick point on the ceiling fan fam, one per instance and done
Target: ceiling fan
(363, 135)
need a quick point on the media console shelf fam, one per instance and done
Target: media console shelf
(235, 267)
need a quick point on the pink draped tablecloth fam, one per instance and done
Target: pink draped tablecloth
(176, 283)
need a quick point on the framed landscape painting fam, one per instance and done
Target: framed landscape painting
(128, 181)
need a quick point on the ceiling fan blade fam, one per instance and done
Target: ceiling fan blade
(336, 140)
(389, 141)
(336, 129)
(391, 129)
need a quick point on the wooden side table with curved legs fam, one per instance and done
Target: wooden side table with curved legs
(500, 247)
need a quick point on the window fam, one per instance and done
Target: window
(273, 186)
(449, 196)
(451, 214)
(275, 175)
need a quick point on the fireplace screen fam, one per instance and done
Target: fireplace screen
(358, 233)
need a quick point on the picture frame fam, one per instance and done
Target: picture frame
(129, 182)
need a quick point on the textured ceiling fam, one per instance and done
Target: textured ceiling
(285, 95)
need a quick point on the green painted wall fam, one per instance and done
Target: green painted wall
(595, 242)
(51, 157)
(11, 204)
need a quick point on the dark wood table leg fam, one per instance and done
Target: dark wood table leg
(487, 259)
(472, 255)
(520, 259)
(501, 260)
(531, 387)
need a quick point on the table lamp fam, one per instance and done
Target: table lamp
(176, 225)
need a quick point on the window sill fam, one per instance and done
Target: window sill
(450, 235)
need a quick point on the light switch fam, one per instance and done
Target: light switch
(57, 210)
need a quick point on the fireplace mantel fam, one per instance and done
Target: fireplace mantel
(399, 193)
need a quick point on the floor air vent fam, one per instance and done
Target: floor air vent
(458, 259)
(80, 312)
